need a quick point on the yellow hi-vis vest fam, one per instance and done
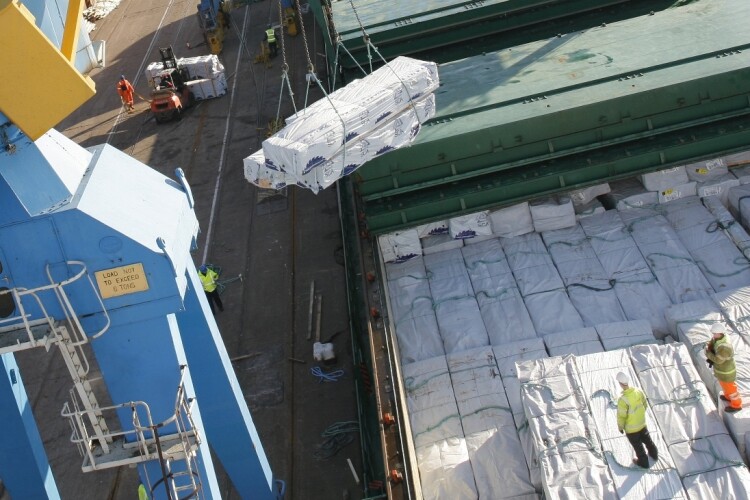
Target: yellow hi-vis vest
(271, 35)
(208, 280)
(142, 492)
(721, 353)
(631, 410)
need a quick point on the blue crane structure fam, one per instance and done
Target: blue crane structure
(95, 263)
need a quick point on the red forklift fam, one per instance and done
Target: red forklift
(171, 95)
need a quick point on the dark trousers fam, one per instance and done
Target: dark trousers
(641, 443)
(214, 297)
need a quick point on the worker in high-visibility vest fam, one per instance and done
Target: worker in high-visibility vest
(270, 38)
(720, 355)
(143, 492)
(126, 91)
(209, 280)
(631, 421)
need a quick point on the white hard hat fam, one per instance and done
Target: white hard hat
(717, 328)
(623, 378)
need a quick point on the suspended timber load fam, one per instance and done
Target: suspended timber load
(337, 134)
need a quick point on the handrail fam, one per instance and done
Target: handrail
(68, 307)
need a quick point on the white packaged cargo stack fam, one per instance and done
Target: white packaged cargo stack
(442, 456)
(258, 173)
(588, 286)
(563, 431)
(598, 381)
(718, 187)
(318, 159)
(739, 204)
(726, 222)
(152, 71)
(470, 225)
(411, 312)
(206, 89)
(500, 304)
(495, 450)
(678, 192)
(584, 196)
(540, 285)
(576, 342)
(552, 213)
(625, 334)
(703, 452)
(506, 357)
(456, 309)
(356, 123)
(399, 246)
(666, 256)
(439, 243)
(722, 264)
(433, 229)
(512, 221)
(640, 295)
(629, 193)
(665, 179)
(706, 170)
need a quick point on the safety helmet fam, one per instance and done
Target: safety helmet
(203, 268)
(717, 328)
(623, 378)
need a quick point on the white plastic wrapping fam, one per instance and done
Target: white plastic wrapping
(728, 225)
(625, 334)
(587, 283)
(433, 228)
(665, 254)
(439, 243)
(411, 310)
(706, 170)
(456, 309)
(718, 187)
(678, 192)
(512, 221)
(552, 213)
(577, 342)
(494, 447)
(400, 246)
(719, 259)
(629, 193)
(503, 311)
(470, 225)
(664, 179)
(640, 295)
(531, 264)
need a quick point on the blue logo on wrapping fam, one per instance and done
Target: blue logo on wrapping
(383, 117)
(384, 149)
(315, 161)
(350, 136)
(350, 168)
(270, 164)
(469, 233)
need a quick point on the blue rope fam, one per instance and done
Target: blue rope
(326, 376)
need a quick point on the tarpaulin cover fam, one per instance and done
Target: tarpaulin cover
(459, 320)
(500, 304)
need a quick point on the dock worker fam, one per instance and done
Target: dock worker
(270, 37)
(126, 91)
(720, 356)
(209, 280)
(631, 421)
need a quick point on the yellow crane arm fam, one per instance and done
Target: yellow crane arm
(44, 86)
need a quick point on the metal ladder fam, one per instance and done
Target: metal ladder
(175, 451)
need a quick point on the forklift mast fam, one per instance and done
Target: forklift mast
(213, 19)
